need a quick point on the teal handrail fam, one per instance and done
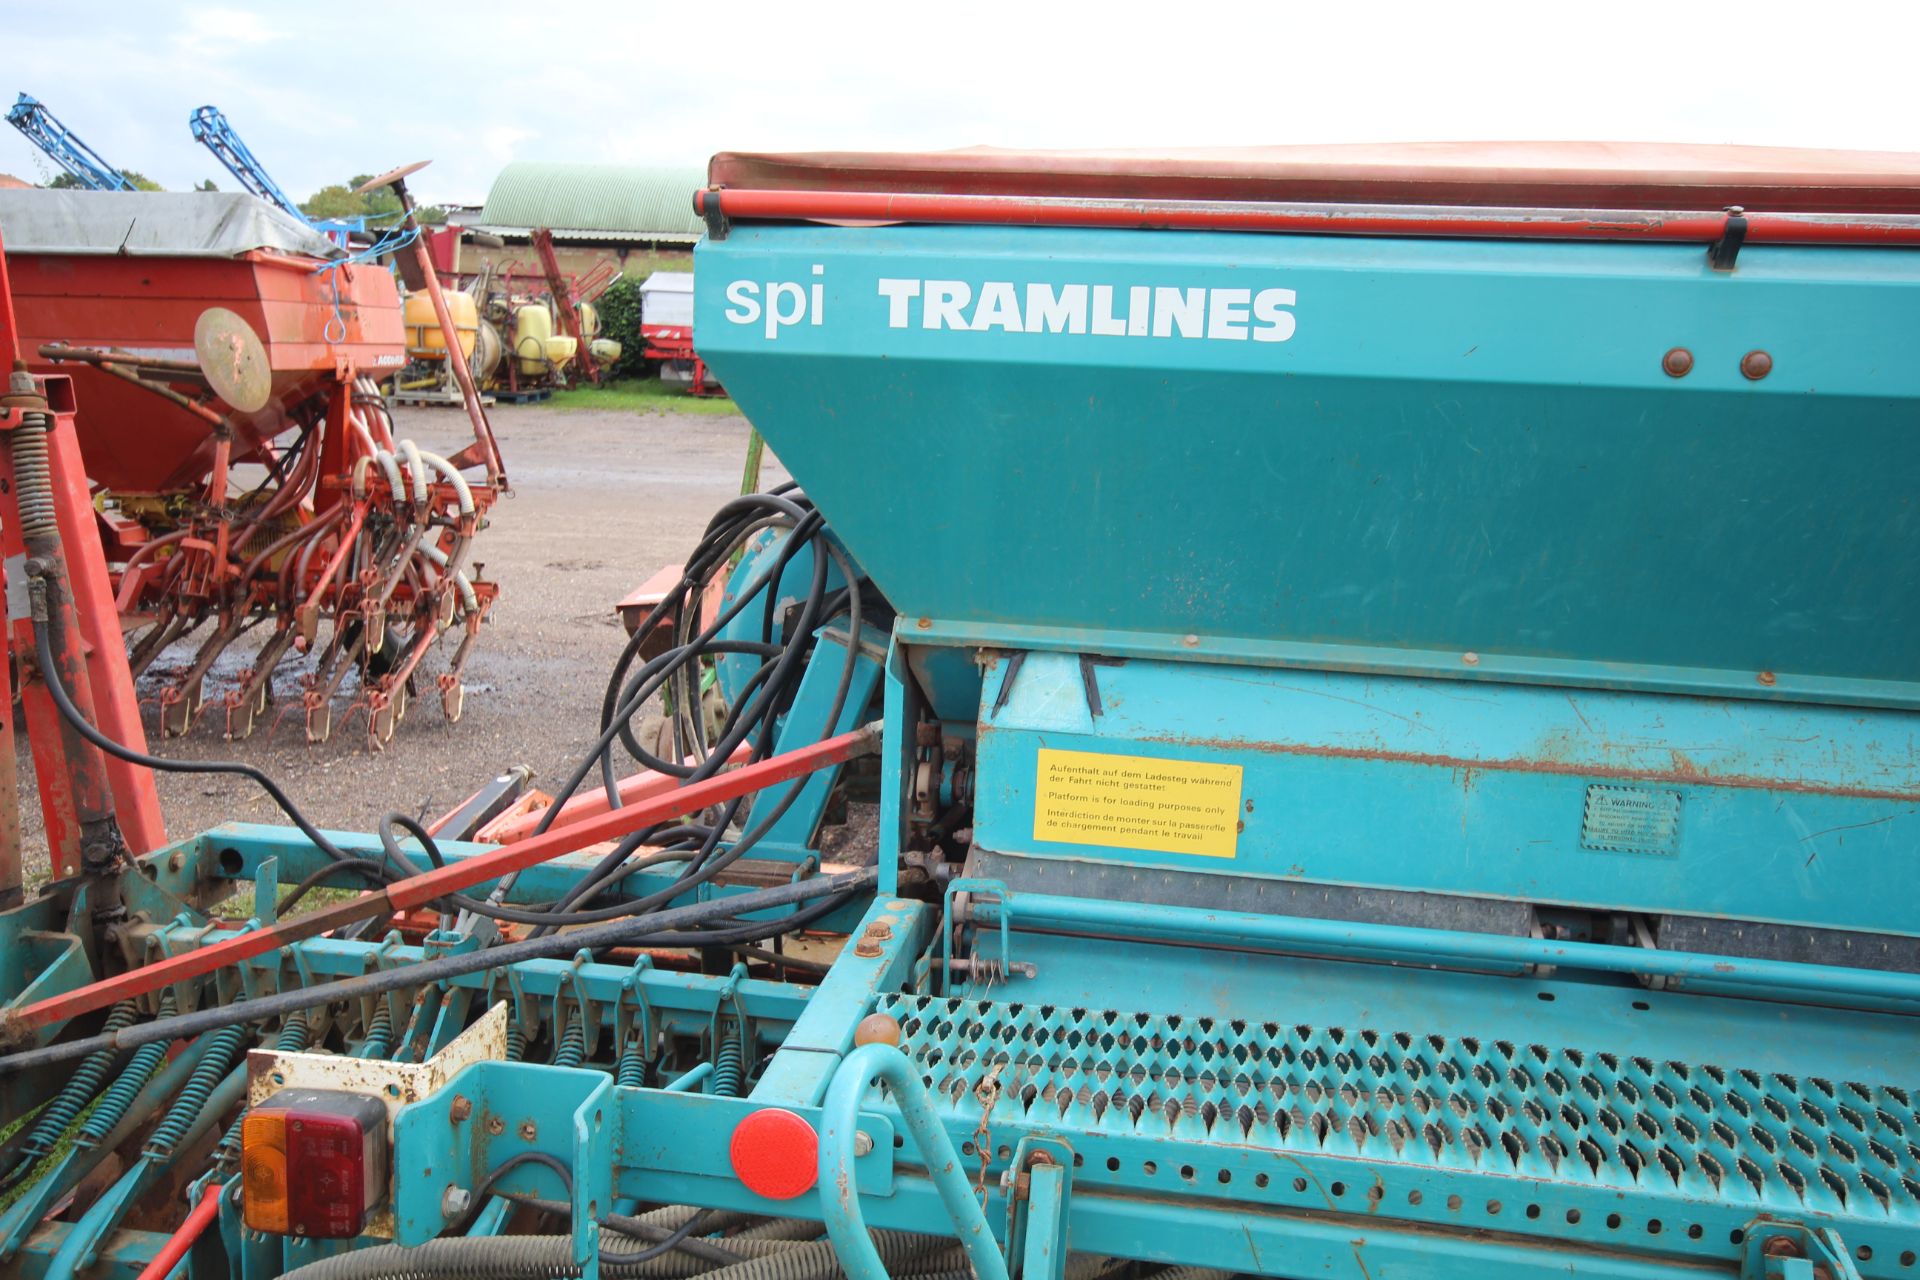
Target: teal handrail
(839, 1192)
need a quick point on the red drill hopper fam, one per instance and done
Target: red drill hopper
(206, 332)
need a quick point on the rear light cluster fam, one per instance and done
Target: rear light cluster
(313, 1162)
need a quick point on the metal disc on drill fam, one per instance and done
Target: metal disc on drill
(234, 359)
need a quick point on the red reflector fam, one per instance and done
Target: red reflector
(775, 1153)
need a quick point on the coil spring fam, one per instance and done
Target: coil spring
(727, 1068)
(33, 476)
(572, 1049)
(295, 1032)
(223, 1046)
(127, 1085)
(379, 1041)
(78, 1091)
(516, 1042)
(632, 1070)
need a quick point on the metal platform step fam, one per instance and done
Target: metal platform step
(1589, 1117)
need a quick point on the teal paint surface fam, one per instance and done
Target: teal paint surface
(1463, 447)
(1428, 785)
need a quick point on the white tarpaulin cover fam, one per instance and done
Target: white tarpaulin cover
(200, 224)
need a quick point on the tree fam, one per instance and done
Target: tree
(335, 201)
(206, 185)
(341, 201)
(140, 181)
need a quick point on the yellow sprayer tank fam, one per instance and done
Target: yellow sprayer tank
(589, 321)
(605, 351)
(535, 345)
(532, 326)
(424, 339)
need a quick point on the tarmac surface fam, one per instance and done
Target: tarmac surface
(601, 500)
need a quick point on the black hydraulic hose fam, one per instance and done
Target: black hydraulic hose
(762, 704)
(805, 626)
(49, 674)
(593, 937)
(664, 1241)
(371, 868)
(765, 694)
(780, 960)
(753, 930)
(679, 1240)
(616, 709)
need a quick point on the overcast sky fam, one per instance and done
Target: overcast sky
(322, 91)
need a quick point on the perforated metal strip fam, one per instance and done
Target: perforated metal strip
(1578, 1116)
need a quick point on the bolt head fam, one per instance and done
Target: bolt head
(496, 1126)
(862, 1142)
(1677, 363)
(1756, 365)
(1781, 1247)
(455, 1202)
(528, 1131)
(1766, 678)
(462, 1107)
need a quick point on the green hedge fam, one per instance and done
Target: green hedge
(620, 320)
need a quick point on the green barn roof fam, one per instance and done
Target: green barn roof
(618, 202)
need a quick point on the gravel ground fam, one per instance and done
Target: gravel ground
(601, 501)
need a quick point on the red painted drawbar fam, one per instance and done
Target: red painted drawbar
(419, 890)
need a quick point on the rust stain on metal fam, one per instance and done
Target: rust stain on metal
(1684, 771)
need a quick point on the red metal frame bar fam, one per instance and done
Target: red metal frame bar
(635, 787)
(483, 438)
(204, 1211)
(417, 891)
(564, 303)
(1703, 227)
(107, 683)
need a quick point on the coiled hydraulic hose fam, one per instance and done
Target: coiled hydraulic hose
(551, 1258)
(73, 1096)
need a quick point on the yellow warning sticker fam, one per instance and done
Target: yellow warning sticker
(1137, 802)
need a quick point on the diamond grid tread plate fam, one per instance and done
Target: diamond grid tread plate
(1573, 1116)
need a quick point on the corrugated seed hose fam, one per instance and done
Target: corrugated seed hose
(551, 1258)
